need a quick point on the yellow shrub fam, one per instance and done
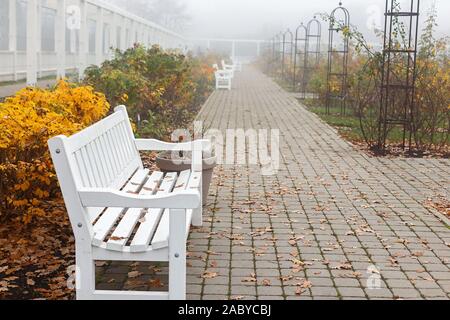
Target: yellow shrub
(27, 121)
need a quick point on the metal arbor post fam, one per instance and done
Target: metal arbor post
(399, 71)
(288, 39)
(273, 55)
(300, 58)
(338, 74)
(278, 43)
(314, 36)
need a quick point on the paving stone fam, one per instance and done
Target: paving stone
(351, 292)
(433, 293)
(324, 291)
(269, 291)
(406, 293)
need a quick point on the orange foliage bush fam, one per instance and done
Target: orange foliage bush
(27, 121)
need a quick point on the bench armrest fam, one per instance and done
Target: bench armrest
(100, 198)
(156, 145)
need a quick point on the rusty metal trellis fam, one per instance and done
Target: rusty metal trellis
(314, 35)
(398, 86)
(338, 74)
(300, 59)
(288, 38)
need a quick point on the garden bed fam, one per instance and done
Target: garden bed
(349, 128)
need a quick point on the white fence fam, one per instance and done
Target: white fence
(244, 50)
(40, 38)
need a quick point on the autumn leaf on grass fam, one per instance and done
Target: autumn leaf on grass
(134, 274)
(209, 275)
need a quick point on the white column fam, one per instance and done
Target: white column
(99, 37)
(39, 38)
(83, 40)
(60, 38)
(147, 37)
(13, 35)
(258, 49)
(132, 34)
(123, 31)
(113, 31)
(32, 42)
(150, 37)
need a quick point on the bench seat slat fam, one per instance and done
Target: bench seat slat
(161, 238)
(109, 218)
(121, 235)
(146, 230)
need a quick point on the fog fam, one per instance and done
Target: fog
(260, 19)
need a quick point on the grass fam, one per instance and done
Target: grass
(348, 125)
(349, 128)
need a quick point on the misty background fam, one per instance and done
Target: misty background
(261, 19)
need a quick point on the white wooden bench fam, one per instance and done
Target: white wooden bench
(237, 65)
(223, 78)
(119, 211)
(228, 67)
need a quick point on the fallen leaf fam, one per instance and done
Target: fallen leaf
(134, 274)
(209, 275)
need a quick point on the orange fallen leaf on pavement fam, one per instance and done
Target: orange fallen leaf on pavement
(209, 275)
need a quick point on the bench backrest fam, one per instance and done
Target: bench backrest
(103, 155)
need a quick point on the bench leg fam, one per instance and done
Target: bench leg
(197, 214)
(85, 276)
(177, 254)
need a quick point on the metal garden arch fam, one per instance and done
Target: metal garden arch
(300, 58)
(288, 39)
(398, 87)
(314, 36)
(338, 74)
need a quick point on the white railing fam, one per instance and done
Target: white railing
(241, 49)
(84, 32)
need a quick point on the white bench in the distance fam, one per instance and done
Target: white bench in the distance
(223, 78)
(236, 65)
(119, 211)
(228, 67)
